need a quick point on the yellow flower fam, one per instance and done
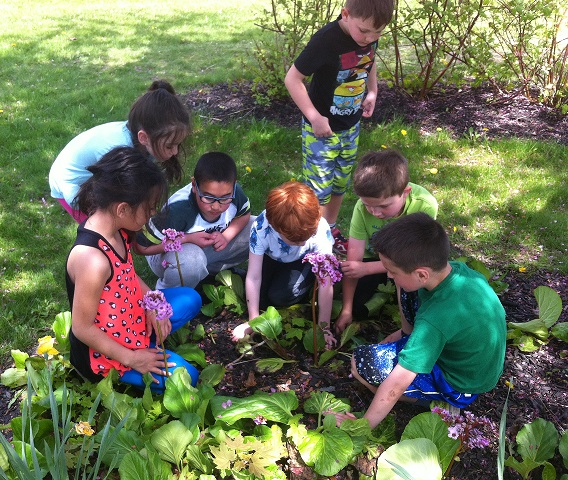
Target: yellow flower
(1, 111)
(439, 129)
(404, 132)
(292, 179)
(46, 346)
(248, 169)
(509, 384)
(433, 171)
(384, 146)
(455, 229)
(83, 428)
(522, 269)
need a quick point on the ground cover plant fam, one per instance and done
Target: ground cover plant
(67, 67)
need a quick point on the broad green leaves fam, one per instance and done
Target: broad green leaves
(529, 336)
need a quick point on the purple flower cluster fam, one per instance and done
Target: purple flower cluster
(470, 430)
(172, 240)
(155, 300)
(325, 266)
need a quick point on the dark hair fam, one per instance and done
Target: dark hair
(215, 167)
(412, 241)
(293, 210)
(381, 11)
(124, 174)
(160, 113)
(381, 174)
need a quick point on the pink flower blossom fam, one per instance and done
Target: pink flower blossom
(470, 430)
(325, 266)
(172, 240)
(155, 300)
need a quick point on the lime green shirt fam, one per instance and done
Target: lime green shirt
(364, 224)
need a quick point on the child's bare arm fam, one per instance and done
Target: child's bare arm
(294, 82)
(252, 288)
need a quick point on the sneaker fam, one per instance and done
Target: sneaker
(340, 243)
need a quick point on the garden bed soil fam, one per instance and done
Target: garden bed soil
(540, 379)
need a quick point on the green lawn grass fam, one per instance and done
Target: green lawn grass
(67, 66)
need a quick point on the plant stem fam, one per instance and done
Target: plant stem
(179, 269)
(315, 323)
(247, 351)
(163, 348)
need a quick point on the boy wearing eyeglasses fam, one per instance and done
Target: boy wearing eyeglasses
(213, 212)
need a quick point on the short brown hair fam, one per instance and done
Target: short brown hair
(381, 174)
(413, 241)
(293, 211)
(381, 11)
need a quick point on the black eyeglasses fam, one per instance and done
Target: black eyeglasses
(210, 199)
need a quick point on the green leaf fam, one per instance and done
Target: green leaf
(269, 324)
(349, 333)
(535, 327)
(480, 267)
(61, 327)
(212, 374)
(277, 407)
(233, 281)
(171, 440)
(419, 456)
(308, 340)
(429, 425)
(502, 435)
(272, 364)
(326, 452)
(563, 448)
(537, 441)
(180, 396)
(14, 377)
(19, 358)
(549, 305)
(560, 331)
(198, 460)
(192, 353)
(524, 468)
(320, 402)
(326, 356)
(548, 472)
(136, 467)
(209, 310)
(212, 293)
(376, 302)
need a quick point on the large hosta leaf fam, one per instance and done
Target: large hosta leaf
(418, 457)
(277, 407)
(171, 440)
(549, 305)
(327, 452)
(429, 425)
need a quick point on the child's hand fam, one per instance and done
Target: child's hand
(152, 325)
(330, 340)
(343, 321)
(201, 239)
(241, 331)
(341, 417)
(369, 104)
(321, 127)
(353, 269)
(219, 242)
(393, 337)
(149, 360)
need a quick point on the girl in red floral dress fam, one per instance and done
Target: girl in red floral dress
(110, 328)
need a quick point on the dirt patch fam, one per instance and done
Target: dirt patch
(466, 111)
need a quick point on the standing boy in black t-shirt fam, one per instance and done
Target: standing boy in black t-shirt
(341, 58)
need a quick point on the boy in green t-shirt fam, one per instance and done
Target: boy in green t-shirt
(381, 182)
(453, 347)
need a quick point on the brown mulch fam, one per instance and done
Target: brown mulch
(540, 378)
